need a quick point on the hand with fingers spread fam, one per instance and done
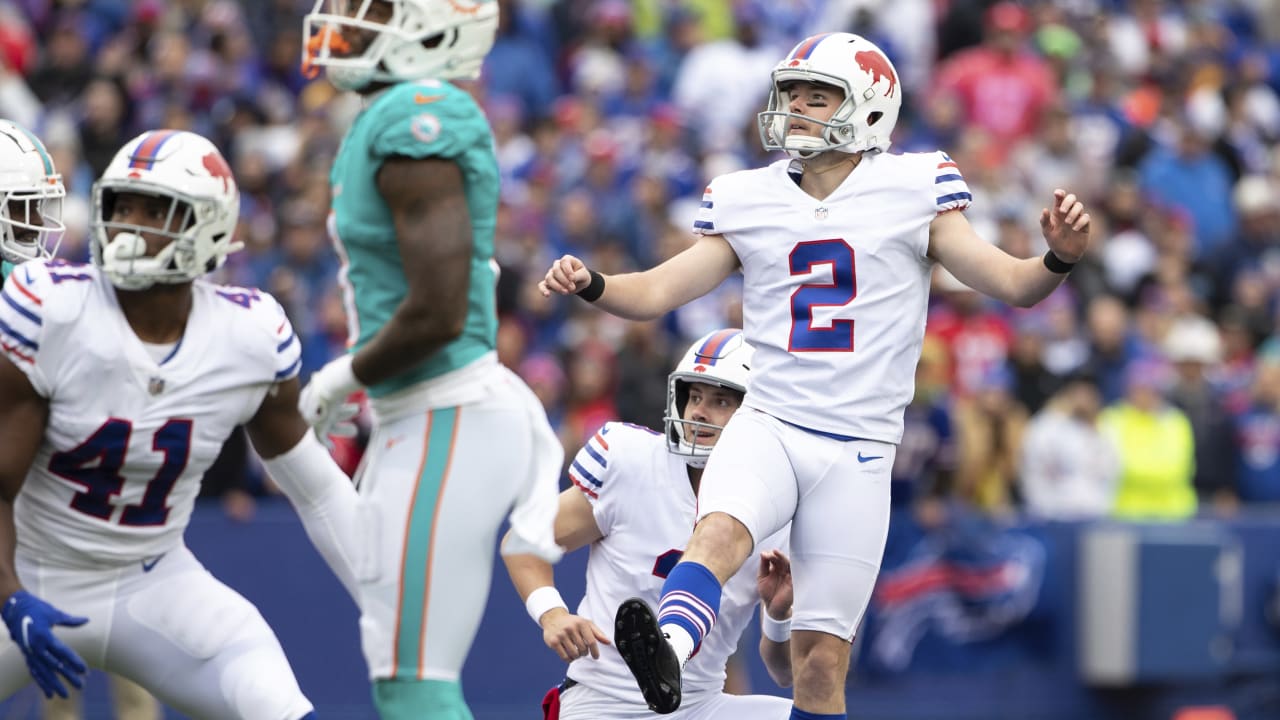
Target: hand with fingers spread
(31, 622)
(571, 636)
(773, 582)
(1066, 226)
(323, 402)
(567, 276)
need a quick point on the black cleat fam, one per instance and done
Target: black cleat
(648, 655)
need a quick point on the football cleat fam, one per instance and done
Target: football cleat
(648, 655)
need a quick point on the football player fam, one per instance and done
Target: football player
(836, 243)
(119, 383)
(458, 440)
(31, 194)
(633, 502)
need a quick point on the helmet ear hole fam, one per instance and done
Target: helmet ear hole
(874, 117)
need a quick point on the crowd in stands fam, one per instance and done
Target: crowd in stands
(1147, 387)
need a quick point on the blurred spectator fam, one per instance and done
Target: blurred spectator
(1144, 40)
(1054, 162)
(104, 124)
(925, 464)
(1002, 85)
(1156, 447)
(65, 65)
(1033, 383)
(546, 378)
(518, 66)
(1256, 247)
(1183, 172)
(1257, 431)
(591, 386)
(989, 428)
(644, 362)
(19, 103)
(1068, 467)
(1112, 345)
(725, 83)
(1193, 346)
(976, 337)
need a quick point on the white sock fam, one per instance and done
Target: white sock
(681, 641)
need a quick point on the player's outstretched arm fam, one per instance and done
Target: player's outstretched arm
(773, 582)
(30, 620)
(988, 269)
(652, 293)
(320, 491)
(569, 635)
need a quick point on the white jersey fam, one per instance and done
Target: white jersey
(128, 438)
(645, 507)
(836, 290)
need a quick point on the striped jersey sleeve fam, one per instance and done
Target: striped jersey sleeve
(22, 316)
(704, 223)
(950, 190)
(288, 350)
(280, 354)
(589, 470)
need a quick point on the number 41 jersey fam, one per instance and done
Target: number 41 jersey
(835, 290)
(129, 437)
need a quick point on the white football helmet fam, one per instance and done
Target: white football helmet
(872, 96)
(31, 194)
(424, 39)
(186, 169)
(721, 358)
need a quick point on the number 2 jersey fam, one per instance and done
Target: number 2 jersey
(644, 505)
(128, 437)
(835, 290)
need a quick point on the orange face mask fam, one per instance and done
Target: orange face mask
(330, 35)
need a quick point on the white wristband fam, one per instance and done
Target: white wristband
(342, 376)
(541, 600)
(778, 631)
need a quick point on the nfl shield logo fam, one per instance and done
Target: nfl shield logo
(155, 386)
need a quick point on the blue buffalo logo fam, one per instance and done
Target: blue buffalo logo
(960, 590)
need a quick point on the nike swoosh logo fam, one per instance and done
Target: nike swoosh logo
(426, 99)
(146, 566)
(868, 458)
(26, 623)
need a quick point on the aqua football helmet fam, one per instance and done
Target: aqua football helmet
(31, 194)
(188, 171)
(872, 96)
(423, 39)
(721, 358)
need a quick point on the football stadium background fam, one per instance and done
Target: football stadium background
(1086, 520)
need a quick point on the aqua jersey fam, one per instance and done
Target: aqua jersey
(422, 119)
(6, 267)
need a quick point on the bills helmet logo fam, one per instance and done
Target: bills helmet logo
(877, 66)
(217, 167)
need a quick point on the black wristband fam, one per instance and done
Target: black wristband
(1057, 264)
(594, 290)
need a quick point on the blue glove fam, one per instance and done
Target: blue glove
(31, 621)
